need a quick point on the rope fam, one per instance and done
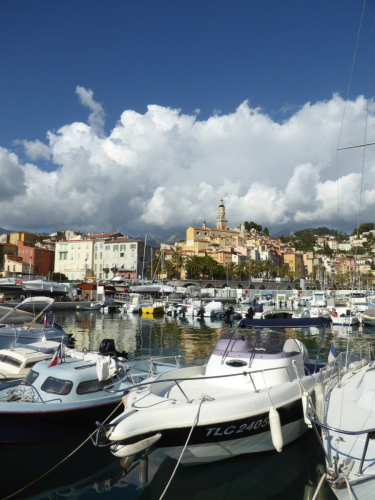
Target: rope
(319, 486)
(63, 460)
(203, 398)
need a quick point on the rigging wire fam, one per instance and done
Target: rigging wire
(343, 118)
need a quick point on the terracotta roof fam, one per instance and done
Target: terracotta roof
(215, 229)
(102, 235)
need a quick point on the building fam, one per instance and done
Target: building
(295, 263)
(74, 258)
(122, 256)
(42, 259)
(6, 249)
(25, 236)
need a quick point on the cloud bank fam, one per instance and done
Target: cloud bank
(165, 170)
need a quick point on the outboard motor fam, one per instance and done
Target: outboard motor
(229, 311)
(250, 313)
(200, 312)
(107, 348)
(183, 310)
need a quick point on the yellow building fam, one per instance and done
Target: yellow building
(24, 236)
(295, 263)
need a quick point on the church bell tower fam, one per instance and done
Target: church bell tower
(221, 221)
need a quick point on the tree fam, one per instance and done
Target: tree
(59, 277)
(178, 262)
(363, 228)
(194, 266)
(209, 265)
(266, 231)
(267, 266)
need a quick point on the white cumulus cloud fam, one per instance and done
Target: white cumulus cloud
(164, 170)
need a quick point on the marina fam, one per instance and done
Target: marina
(193, 339)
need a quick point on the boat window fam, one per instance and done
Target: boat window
(30, 377)
(30, 364)
(91, 386)
(9, 360)
(56, 386)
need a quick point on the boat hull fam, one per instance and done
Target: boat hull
(285, 322)
(221, 440)
(42, 426)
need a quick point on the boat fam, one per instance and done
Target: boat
(284, 319)
(67, 399)
(247, 399)
(342, 405)
(367, 317)
(155, 308)
(32, 331)
(345, 316)
(93, 306)
(319, 299)
(16, 362)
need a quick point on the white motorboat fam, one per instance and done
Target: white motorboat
(345, 316)
(367, 317)
(32, 331)
(248, 398)
(16, 362)
(343, 405)
(61, 397)
(319, 299)
(210, 309)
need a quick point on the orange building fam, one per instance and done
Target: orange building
(42, 259)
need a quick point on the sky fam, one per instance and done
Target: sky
(140, 116)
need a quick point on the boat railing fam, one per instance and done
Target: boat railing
(370, 435)
(26, 393)
(345, 362)
(151, 364)
(176, 380)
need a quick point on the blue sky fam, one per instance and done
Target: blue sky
(204, 55)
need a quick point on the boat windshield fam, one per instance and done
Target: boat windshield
(267, 342)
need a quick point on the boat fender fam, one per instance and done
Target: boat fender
(102, 368)
(305, 406)
(276, 432)
(119, 450)
(126, 462)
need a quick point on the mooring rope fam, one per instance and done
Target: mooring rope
(63, 460)
(203, 398)
(319, 486)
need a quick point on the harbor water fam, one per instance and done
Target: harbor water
(92, 472)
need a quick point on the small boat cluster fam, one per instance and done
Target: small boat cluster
(258, 392)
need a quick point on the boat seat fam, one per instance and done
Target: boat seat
(291, 346)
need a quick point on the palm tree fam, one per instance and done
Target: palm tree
(242, 269)
(267, 266)
(194, 265)
(209, 266)
(231, 268)
(178, 262)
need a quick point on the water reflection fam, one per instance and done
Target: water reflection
(293, 473)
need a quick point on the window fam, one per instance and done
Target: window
(26, 251)
(87, 256)
(63, 255)
(122, 247)
(9, 360)
(115, 248)
(100, 268)
(72, 246)
(122, 254)
(87, 245)
(132, 246)
(30, 377)
(101, 255)
(91, 386)
(30, 364)
(96, 255)
(96, 267)
(56, 386)
(101, 245)
(107, 247)
(71, 256)
(79, 246)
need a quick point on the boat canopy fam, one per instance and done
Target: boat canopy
(257, 343)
